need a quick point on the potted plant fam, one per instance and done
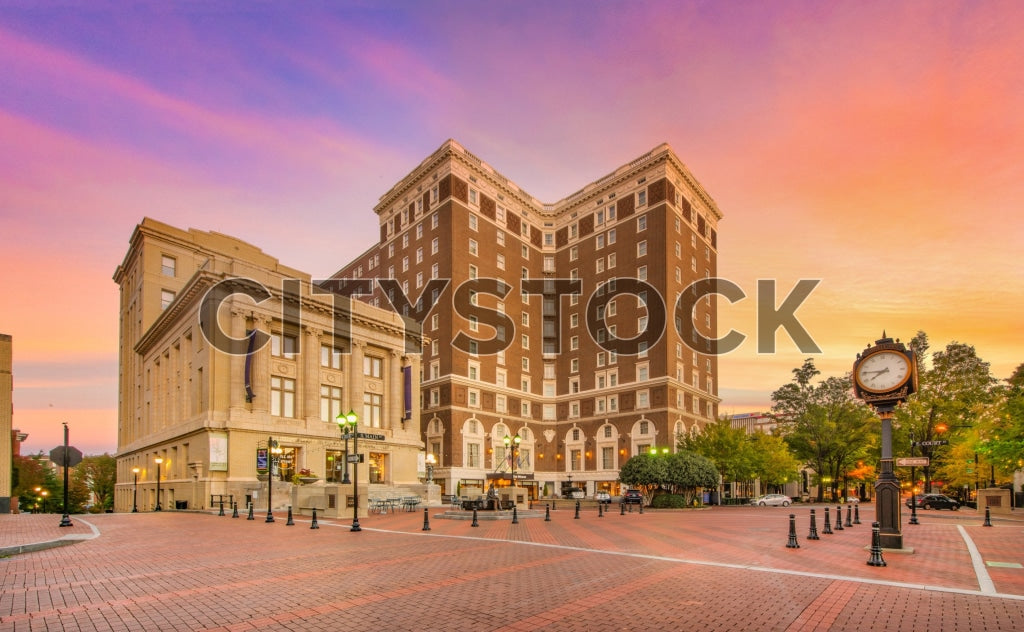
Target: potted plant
(306, 476)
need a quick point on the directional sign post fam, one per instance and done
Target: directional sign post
(65, 456)
(914, 461)
(939, 442)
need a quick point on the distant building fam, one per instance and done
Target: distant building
(586, 380)
(753, 422)
(209, 410)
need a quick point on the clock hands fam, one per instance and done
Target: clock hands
(877, 373)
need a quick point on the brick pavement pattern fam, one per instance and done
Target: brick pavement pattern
(725, 568)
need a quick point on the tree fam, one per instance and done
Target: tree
(825, 426)
(774, 464)
(728, 448)
(97, 475)
(1004, 432)
(687, 473)
(646, 472)
(955, 392)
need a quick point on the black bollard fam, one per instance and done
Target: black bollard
(849, 514)
(426, 519)
(813, 534)
(856, 514)
(827, 530)
(988, 519)
(577, 516)
(839, 518)
(876, 547)
(553, 505)
(641, 506)
(515, 515)
(221, 509)
(600, 510)
(250, 514)
(475, 523)
(314, 524)
(622, 508)
(290, 523)
(792, 543)
(234, 510)
(547, 513)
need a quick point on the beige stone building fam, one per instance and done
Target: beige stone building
(586, 380)
(6, 423)
(223, 349)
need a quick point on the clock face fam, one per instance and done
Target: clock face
(883, 371)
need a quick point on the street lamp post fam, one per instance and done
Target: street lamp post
(45, 493)
(342, 420)
(272, 451)
(430, 468)
(513, 442)
(158, 460)
(135, 494)
(353, 421)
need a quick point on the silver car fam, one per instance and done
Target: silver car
(772, 499)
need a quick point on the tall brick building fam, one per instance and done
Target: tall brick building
(559, 321)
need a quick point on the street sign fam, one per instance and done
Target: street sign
(355, 458)
(72, 455)
(913, 461)
(932, 442)
(363, 435)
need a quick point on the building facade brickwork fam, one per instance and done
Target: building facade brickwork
(586, 379)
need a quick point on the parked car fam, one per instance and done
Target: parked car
(603, 497)
(633, 497)
(933, 501)
(776, 500)
(853, 500)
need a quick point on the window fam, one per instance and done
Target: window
(419, 255)
(645, 427)
(434, 246)
(500, 213)
(643, 399)
(330, 357)
(607, 458)
(473, 221)
(576, 462)
(434, 271)
(472, 455)
(500, 403)
(549, 239)
(167, 265)
(525, 317)
(283, 345)
(611, 212)
(641, 248)
(500, 261)
(641, 223)
(282, 396)
(599, 241)
(525, 341)
(641, 273)
(473, 397)
(599, 263)
(642, 372)
(574, 365)
(419, 230)
(574, 253)
(405, 240)
(405, 264)
(611, 237)
(474, 323)
(433, 220)
(373, 410)
(472, 272)
(330, 402)
(611, 261)
(613, 403)
(574, 343)
(500, 238)
(524, 409)
(641, 198)
(433, 194)
(372, 366)
(574, 409)
(166, 298)
(474, 199)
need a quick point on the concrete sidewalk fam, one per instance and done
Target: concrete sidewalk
(724, 568)
(23, 533)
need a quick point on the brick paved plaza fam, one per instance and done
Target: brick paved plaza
(725, 568)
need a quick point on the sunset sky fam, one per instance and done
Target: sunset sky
(878, 147)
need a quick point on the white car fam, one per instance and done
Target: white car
(772, 499)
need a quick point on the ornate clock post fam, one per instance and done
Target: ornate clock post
(884, 376)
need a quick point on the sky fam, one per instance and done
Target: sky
(877, 147)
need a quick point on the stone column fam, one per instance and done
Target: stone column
(261, 369)
(354, 372)
(394, 407)
(236, 386)
(309, 377)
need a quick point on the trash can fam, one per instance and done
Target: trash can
(181, 504)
